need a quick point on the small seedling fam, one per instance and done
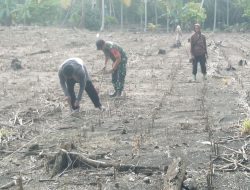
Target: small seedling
(246, 126)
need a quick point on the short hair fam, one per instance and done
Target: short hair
(68, 70)
(99, 44)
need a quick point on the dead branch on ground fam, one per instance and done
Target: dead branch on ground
(40, 52)
(64, 160)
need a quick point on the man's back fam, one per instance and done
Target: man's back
(80, 69)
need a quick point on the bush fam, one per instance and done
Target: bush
(246, 126)
(110, 21)
(152, 27)
(92, 19)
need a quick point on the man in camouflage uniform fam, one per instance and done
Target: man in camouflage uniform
(118, 56)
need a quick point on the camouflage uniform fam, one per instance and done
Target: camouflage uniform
(118, 76)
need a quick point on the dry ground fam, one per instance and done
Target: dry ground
(162, 114)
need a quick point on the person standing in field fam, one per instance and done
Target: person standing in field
(178, 36)
(198, 51)
(114, 52)
(73, 71)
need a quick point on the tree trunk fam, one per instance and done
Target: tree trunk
(167, 24)
(141, 26)
(113, 8)
(93, 4)
(156, 13)
(82, 16)
(215, 14)
(227, 12)
(175, 175)
(202, 2)
(146, 16)
(121, 15)
(110, 8)
(103, 16)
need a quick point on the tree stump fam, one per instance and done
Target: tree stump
(175, 175)
(16, 64)
(162, 51)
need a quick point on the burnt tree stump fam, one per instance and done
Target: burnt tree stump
(175, 175)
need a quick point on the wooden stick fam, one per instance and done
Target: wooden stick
(9, 185)
(40, 52)
(21, 147)
(231, 149)
(45, 180)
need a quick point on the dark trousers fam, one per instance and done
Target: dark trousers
(118, 76)
(89, 88)
(202, 60)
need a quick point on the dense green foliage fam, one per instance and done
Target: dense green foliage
(192, 13)
(92, 19)
(163, 13)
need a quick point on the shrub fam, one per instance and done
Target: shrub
(152, 27)
(92, 19)
(110, 21)
(246, 126)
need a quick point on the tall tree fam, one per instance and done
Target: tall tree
(146, 15)
(103, 15)
(227, 12)
(173, 10)
(191, 13)
(156, 11)
(202, 2)
(121, 15)
(215, 15)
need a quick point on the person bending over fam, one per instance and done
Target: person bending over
(73, 71)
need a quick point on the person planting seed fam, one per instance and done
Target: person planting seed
(73, 71)
(114, 52)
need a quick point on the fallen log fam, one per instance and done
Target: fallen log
(8, 185)
(175, 175)
(64, 160)
(17, 182)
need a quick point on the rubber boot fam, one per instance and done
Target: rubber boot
(194, 77)
(113, 94)
(204, 77)
(119, 93)
(102, 108)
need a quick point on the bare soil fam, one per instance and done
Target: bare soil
(162, 114)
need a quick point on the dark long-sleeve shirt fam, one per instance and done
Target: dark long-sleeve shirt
(198, 44)
(80, 75)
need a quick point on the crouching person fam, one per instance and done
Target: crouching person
(73, 71)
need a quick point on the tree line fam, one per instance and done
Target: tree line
(231, 15)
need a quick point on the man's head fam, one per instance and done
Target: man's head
(197, 27)
(100, 44)
(68, 71)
